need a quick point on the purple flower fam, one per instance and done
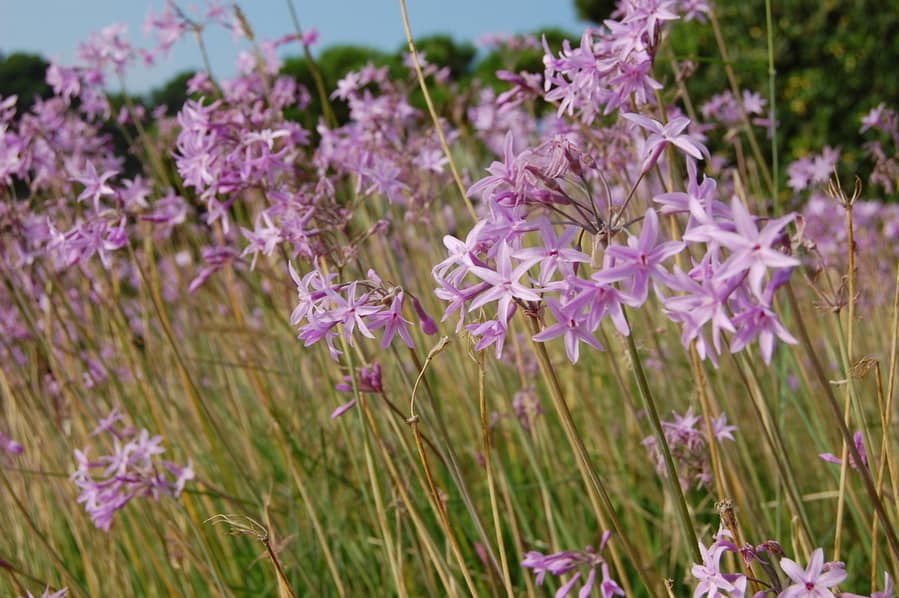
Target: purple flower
(491, 332)
(756, 320)
(95, 185)
(393, 323)
(65, 81)
(859, 440)
(570, 324)
(662, 135)
(753, 250)
(264, 239)
(351, 310)
(641, 259)
(815, 581)
(600, 299)
(505, 286)
(712, 582)
(368, 380)
(554, 253)
(562, 563)
(688, 441)
(10, 446)
(133, 469)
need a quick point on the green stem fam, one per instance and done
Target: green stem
(772, 103)
(330, 119)
(651, 410)
(596, 490)
(864, 472)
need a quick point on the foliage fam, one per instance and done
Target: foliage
(23, 75)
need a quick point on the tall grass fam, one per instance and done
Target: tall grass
(441, 481)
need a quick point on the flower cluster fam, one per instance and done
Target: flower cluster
(813, 169)
(689, 444)
(817, 580)
(885, 121)
(132, 469)
(230, 146)
(518, 256)
(579, 562)
(612, 66)
(362, 305)
(384, 147)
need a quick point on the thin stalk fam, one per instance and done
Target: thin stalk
(330, 119)
(777, 446)
(883, 465)
(888, 410)
(373, 479)
(735, 90)
(772, 104)
(440, 566)
(870, 488)
(491, 484)
(649, 404)
(596, 490)
(699, 378)
(414, 422)
(433, 112)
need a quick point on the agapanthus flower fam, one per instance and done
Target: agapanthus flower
(570, 324)
(10, 446)
(688, 442)
(753, 249)
(358, 306)
(641, 260)
(580, 562)
(660, 136)
(133, 469)
(505, 282)
(713, 583)
(859, 440)
(95, 185)
(815, 581)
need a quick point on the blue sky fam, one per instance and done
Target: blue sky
(54, 28)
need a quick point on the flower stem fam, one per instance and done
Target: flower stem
(433, 112)
(599, 496)
(772, 103)
(653, 413)
(865, 474)
(491, 483)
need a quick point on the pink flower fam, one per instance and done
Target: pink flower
(815, 581)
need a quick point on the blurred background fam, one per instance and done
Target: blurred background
(834, 61)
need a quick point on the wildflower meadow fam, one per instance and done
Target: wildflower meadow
(579, 330)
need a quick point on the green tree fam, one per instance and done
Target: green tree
(443, 50)
(173, 93)
(24, 75)
(835, 60)
(594, 10)
(333, 63)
